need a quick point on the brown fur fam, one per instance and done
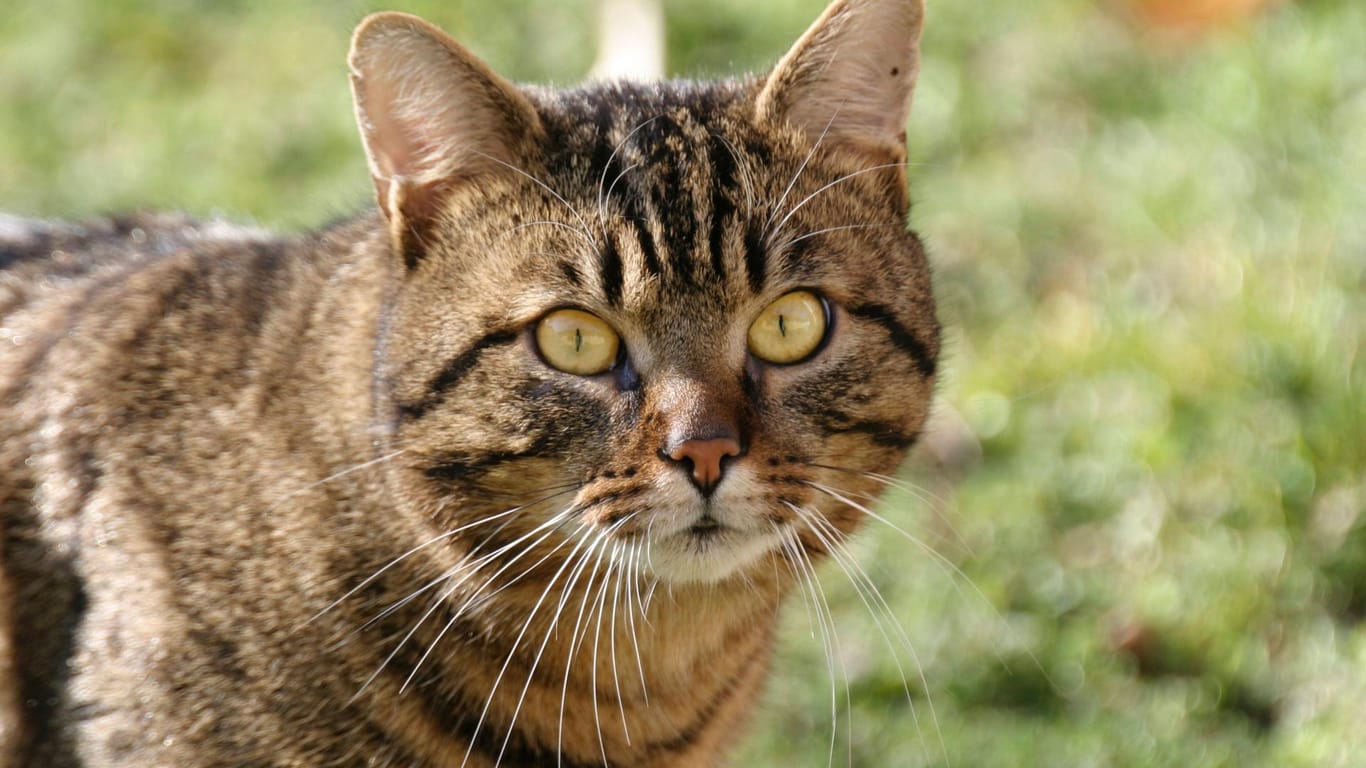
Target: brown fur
(318, 501)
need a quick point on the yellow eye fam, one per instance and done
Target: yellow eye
(789, 330)
(577, 342)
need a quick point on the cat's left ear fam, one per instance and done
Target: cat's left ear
(848, 81)
(432, 116)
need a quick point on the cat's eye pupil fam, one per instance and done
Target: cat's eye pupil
(790, 329)
(577, 342)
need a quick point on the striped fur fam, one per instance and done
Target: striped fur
(318, 501)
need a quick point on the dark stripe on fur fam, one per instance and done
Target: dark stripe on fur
(653, 267)
(723, 168)
(603, 122)
(444, 707)
(451, 375)
(410, 243)
(900, 336)
(664, 186)
(189, 278)
(751, 389)
(608, 164)
(87, 266)
(884, 433)
(571, 274)
(37, 243)
(454, 469)
(756, 259)
(49, 605)
(796, 251)
(518, 752)
(609, 263)
(692, 731)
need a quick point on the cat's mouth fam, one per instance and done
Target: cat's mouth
(709, 550)
(706, 527)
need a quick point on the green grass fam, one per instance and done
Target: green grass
(1147, 473)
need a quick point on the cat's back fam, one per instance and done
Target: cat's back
(63, 289)
(131, 351)
(82, 305)
(143, 322)
(43, 261)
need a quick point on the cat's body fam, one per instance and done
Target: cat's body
(333, 500)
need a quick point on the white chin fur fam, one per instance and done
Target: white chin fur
(739, 505)
(683, 559)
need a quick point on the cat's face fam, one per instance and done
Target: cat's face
(684, 324)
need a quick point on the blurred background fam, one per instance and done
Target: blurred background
(1138, 518)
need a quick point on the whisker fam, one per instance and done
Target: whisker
(649, 598)
(612, 635)
(819, 232)
(633, 584)
(335, 476)
(864, 587)
(580, 633)
(654, 579)
(768, 225)
(483, 715)
(935, 505)
(585, 230)
(435, 539)
(791, 544)
(745, 180)
(577, 510)
(551, 629)
(923, 494)
(830, 618)
(829, 640)
(593, 552)
(469, 567)
(947, 566)
(597, 634)
(602, 202)
(549, 525)
(576, 638)
(603, 198)
(840, 180)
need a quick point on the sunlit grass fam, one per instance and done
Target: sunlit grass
(1148, 460)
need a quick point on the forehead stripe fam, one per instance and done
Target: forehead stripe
(723, 169)
(653, 267)
(609, 265)
(756, 258)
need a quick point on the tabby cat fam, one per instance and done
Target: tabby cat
(514, 470)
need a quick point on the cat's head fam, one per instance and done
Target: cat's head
(683, 322)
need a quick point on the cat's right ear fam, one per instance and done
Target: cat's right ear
(431, 115)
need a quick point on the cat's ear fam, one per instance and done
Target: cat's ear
(431, 115)
(849, 79)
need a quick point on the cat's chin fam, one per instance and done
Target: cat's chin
(709, 556)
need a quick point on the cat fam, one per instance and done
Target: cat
(514, 469)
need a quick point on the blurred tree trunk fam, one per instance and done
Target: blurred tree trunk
(630, 40)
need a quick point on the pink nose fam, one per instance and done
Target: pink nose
(706, 457)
